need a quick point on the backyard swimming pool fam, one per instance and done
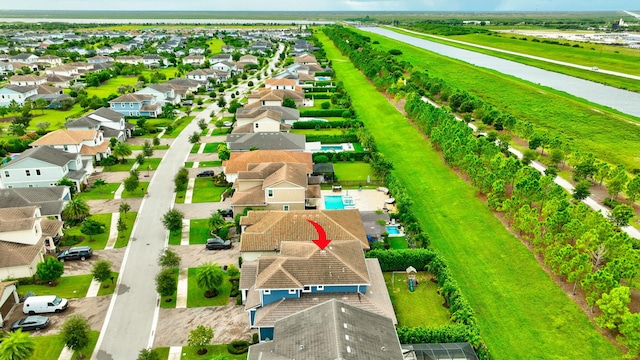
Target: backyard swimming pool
(331, 148)
(393, 230)
(333, 202)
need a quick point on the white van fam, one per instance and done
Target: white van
(44, 304)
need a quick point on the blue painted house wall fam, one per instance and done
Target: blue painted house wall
(338, 288)
(266, 333)
(276, 295)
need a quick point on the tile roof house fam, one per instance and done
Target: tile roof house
(16, 93)
(23, 233)
(239, 160)
(220, 57)
(268, 97)
(152, 60)
(52, 60)
(111, 123)
(266, 141)
(254, 120)
(44, 166)
(24, 58)
(204, 75)
(305, 59)
(90, 144)
(228, 66)
(63, 70)
(194, 60)
(99, 59)
(282, 84)
(302, 276)
(137, 105)
(348, 332)
(190, 85)
(274, 186)
(50, 200)
(164, 94)
(128, 59)
(59, 81)
(27, 80)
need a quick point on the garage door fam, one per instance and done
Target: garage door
(8, 304)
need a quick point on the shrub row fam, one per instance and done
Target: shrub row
(333, 139)
(322, 113)
(333, 157)
(327, 125)
(317, 95)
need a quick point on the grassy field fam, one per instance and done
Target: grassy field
(215, 45)
(211, 148)
(150, 164)
(195, 295)
(55, 118)
(108, 287)
(98, 242)
(353, 171)
(397, 242)
(99, 192)
(138, 193)
(47, 347)
(124, 236)
(616, 141)
(69, 287)
(88, 350)
(523, 314)
(111, 86)
(184, 121)
(198, 231)
(175, 237)
(423, 307)
(121, 166)
(565, 54)
(204, 190)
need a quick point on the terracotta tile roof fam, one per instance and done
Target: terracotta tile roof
(27, 78)
(45, 89)
(92, 150)
(17, 218)
(274, 173)
(313, 192)
(51, 227)
(248, 274)
(266, 229)
(13, 254)
(283, 82)
(305, 58)
(249, 197)
(66, 137)
(240, 160)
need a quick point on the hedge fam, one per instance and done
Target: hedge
(333, 139)
(323, 73)
(321, 89)
(343, 156)
(322, 113)
(326, 124)
(238, 347)
(318, 96)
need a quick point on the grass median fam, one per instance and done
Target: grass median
(522, 312)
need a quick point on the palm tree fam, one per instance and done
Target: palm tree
(209, 278)
(216, 221)
(76, 210)
(121, 150)
(17, 346)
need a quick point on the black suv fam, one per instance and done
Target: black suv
(217, 243)
(206, 173)
(75, 253)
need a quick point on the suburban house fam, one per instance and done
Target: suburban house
(24, 235)
(274, 186)
(228, 49)
(282, 84)
(27, 80)
(164, 94)
(51, 60)
(197, 60)
(128, 59)
(287, 115)
(255, 120)
(249, 59)
(59, 81)
(196, 51)
(24, 58)
(268, 97)
(50, 200)
(262, 231)
(227, 66)
(99, 59)
(189, 85)
(8, 298)
(90, 144)
(5, 67)
(111, 123)
(206, 74)
(44, 166)
(220, 57)
(63, 70)
(154, 61)
(349, 332)
(305, 59)
(16, 93)
(266, 141)
(136, 105)
(239, 160)
(301, 275)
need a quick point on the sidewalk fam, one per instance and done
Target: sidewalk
(185, 232)
(66, 354)
(113, 231)
(181, 294)
(175, 352)
(188, 196)
(118, 194)
(93, 288)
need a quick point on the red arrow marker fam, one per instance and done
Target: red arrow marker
(322, 240)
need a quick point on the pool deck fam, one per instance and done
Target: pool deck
(366, 200)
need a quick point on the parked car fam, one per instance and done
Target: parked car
(33, 322)
(206, 173)
(44, 304)
(218, 243)
(76, 253)
(226, 212)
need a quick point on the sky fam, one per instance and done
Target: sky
(324, 5)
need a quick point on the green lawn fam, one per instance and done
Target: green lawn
(56, 118)
(180, 196)
(523, 314)
(195, 295)
(111, 86)
(99, 192)
(215, 45)
(179, 125)
(172, 298)
(69, 287)
(47, 347)
(397, 242)
(220, 131)
(98, 242)
(616, 141)
(205, 191)
(353, 171)
(138, 193)
(191, 353)
(423, 307)
(149, 164)
(208, 164)
(175, 237)
(124, 236)
(88, 350)
(211, 148)
(121, 166)
(194, 148)
(108, 287)
(199, 231)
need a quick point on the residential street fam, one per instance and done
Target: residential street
(131, 320)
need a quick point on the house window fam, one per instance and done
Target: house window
(320, 287)
(292, 291)
(266, 292)
(38, 172)
(27, 172)
(306, 289)
(121, 105)
(65, 147)
(256, 125)
(285, 207)
(270, 193)
(130, 105)
(6, 174)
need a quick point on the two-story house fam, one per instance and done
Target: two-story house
(152, 60)
(266, 141)
(282, 84)
(111, 123)
(26, 58)
(196, 60)
(220, 57)
(301, 275)
(270, 97)
(239, 160)
(44, 166)
(255, 120)
(90, 144)
(50, 200)
(128, 59)
(228, 66)
(52, 60)
(305, 59)
(136, 105)
(23, 234)
(63, 70)
(16, 93)
(27, 80)
(274, 186)
(164, 94)
(99, 59)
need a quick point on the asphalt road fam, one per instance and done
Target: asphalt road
(133, 312)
